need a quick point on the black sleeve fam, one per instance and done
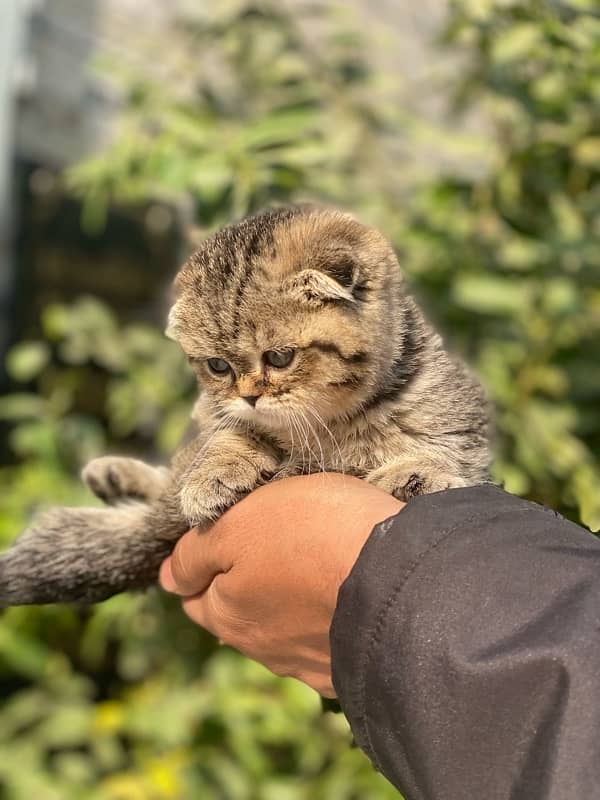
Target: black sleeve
(466, 650)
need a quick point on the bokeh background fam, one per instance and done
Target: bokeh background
(469, 132)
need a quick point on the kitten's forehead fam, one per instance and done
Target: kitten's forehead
(234, 250)
(235, 283)
(272, 244)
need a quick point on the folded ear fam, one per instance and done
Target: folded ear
(315, 286)
(173, 323)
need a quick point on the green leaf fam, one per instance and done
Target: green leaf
(21, 406)
(26, 360)
(491, 295)
(516, 42)
(587, 151)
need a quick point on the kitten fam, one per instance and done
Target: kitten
(311, 356)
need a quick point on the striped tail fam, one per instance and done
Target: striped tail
(85, 555)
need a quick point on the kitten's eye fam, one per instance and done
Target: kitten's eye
(218, 366)
(279, 358)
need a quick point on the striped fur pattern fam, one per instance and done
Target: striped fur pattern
(311, 355)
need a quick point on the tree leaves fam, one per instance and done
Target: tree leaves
(130, 700)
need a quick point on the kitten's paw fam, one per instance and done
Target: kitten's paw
(424, 483)
(410, 481)
(210, 490)
(112, 478)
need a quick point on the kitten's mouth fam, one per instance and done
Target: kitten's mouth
(265, 411)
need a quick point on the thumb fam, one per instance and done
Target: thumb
(196, 560)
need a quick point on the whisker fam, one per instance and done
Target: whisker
(228, 422)
(289, 461)
(302, 432)
(320, 461)
(318, 439)
(319, 419)
(294, 425)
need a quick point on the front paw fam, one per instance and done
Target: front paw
(412, 480)
(115, 478)
(208, 491)
(110, 478)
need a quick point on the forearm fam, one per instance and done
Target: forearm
(465, 649)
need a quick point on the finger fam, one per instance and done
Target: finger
(201, 610)
(223, 616)
(165, 577)
(195, 561)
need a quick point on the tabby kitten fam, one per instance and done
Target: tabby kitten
(311, 356)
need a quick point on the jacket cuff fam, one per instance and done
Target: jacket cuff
(394, 556)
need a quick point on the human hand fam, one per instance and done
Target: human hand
(265, 577)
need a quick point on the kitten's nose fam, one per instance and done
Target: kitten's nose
(251, 398)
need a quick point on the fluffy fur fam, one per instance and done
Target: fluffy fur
(369, 390)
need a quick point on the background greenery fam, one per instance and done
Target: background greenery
(128, 700)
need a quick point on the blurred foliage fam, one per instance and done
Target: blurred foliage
(129, 700)
(263, 106)
(510, 261)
